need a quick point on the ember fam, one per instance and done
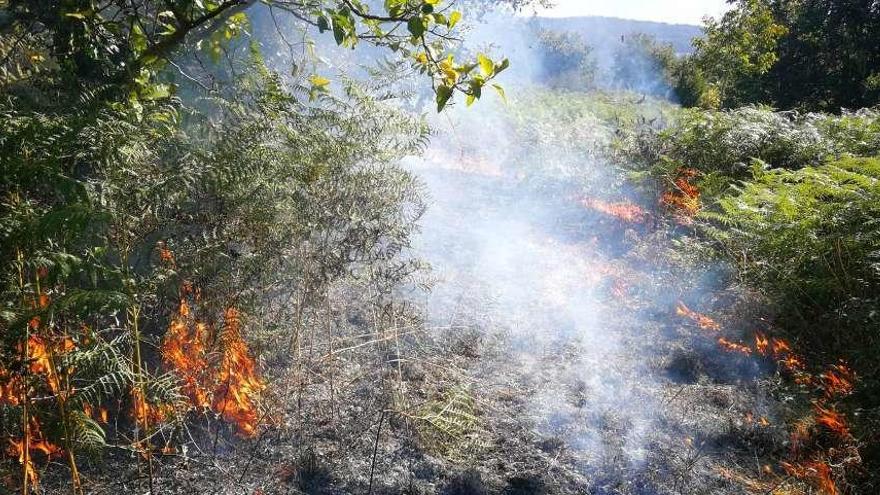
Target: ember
(734, 346)
(626, 212)
(702, 321)
(833, 420)
(683, 197)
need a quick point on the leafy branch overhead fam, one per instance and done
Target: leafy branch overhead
(131, 42)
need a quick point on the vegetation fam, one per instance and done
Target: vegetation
(171, 208)
(567, 61)
(788, 54)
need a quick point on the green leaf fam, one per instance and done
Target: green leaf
(323, 24)
(444, 93)
(416, 26)
(500, 91)
(318, 81)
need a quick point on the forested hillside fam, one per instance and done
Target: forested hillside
(341, 246)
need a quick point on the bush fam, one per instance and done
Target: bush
(811, 236)
(726, 142)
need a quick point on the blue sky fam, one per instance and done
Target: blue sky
(674, 11)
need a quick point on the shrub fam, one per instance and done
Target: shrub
(810, 236)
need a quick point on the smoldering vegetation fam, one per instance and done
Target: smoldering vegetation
(494, 306)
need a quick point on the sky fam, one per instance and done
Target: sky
(672, 11)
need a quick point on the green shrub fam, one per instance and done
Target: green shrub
(811, 237)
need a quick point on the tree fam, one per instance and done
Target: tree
(733, 55)
(567, 61)
(121, 42)
(812, 55)
(641, 64)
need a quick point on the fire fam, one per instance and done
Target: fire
(833, 420)
(183, 349)
(623, 211)
(32, 441)
(165, 254)
(701, 320)
(146, 413)
(762, 344)
(40, 357)
(684, 197)
(239, 382)
(837, 381)
(228, 384)
(780, 346)
(818, 471)
(734, 346)
(10, 388)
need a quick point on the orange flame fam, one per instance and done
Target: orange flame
(818, 471)
(734, 346)
(833, 420)
(623, 211)
(183, 349)
(239, 382)
(762, 344)
(10, 388)
(837, 381)
(146, 413)
(779, 346)
(701, 320)
(684, 197)
(228, 386)
(33, 441)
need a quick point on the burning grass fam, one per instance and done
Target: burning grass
(623, 211)
(217, 368)
(683, 197)
(822, 447)
(702, 321)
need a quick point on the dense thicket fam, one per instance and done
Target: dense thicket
(809, 55)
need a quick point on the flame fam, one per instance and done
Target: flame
(146, 413)
(779, 346)
(623, 211)
(734, 346)
(817, 471)
(701, 320)
(10, 388)
(183, 350)
(165, 254)
(762, 344)
(32, 441)
(833, 420)
(228, 384)
(239, 383)
(837, 381)
(684, 197)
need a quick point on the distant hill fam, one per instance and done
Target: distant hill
(604, 32)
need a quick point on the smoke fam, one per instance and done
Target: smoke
(519, 256)
(572, 320)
